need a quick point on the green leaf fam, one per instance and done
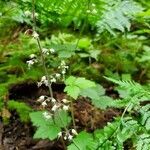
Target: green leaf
(38, 119)
(49, 128)
(84, 83)
(96, 94)
(81, 141)
(70, 80)
(61, 118)
(94, 54)
(72, 91)
(47, 132)
(46, 128)
(102, 102)
(75, 85)
(93, 92)
(84, 43)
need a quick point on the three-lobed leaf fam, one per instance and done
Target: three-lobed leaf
(49, 128)
(75, 85)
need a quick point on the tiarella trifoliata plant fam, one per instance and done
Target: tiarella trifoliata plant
(57, 117)
(54, 120)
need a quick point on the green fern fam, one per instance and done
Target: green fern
(132, 88)
(135, 94)
(118, 16)
(143, 142)
(111, 137)
(104, 15)
(145, 116)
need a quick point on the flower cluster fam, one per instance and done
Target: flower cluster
(35, 35)
(53, 78)
(55, 105)
(46, 51)
(28, 13)
(32, 60)
(64, 104)
(44, 81)
(44, 100)
(63, 67)
(68, 135)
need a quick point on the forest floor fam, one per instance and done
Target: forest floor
(19, 136)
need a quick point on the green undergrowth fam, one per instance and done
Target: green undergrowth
(21, 108)
(132, 125)
(102, 42)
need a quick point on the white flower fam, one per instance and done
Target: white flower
(59, 134)
(43, 78)
(46, 82)
(30, 63)
(48, 99)
(57, 75)
(63, 71)
(65, 107)
(53, 100)
(66, 67)
(27, 13)
(44, 104)
(41, 98)
(35, 35)
(32, 56)
(65, 101)
(39, 84)
(70, 137)
(45, 51)
(52, 50)
(53, 80)
(65, 137)
(47, 115)
(54, 108)
(74, 132)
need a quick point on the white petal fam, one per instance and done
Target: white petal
(65, 107)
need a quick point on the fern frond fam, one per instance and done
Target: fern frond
(115, 134)
(134, 88)
(145, 116)
(143, 142)
(126, 84)
(118, 16)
